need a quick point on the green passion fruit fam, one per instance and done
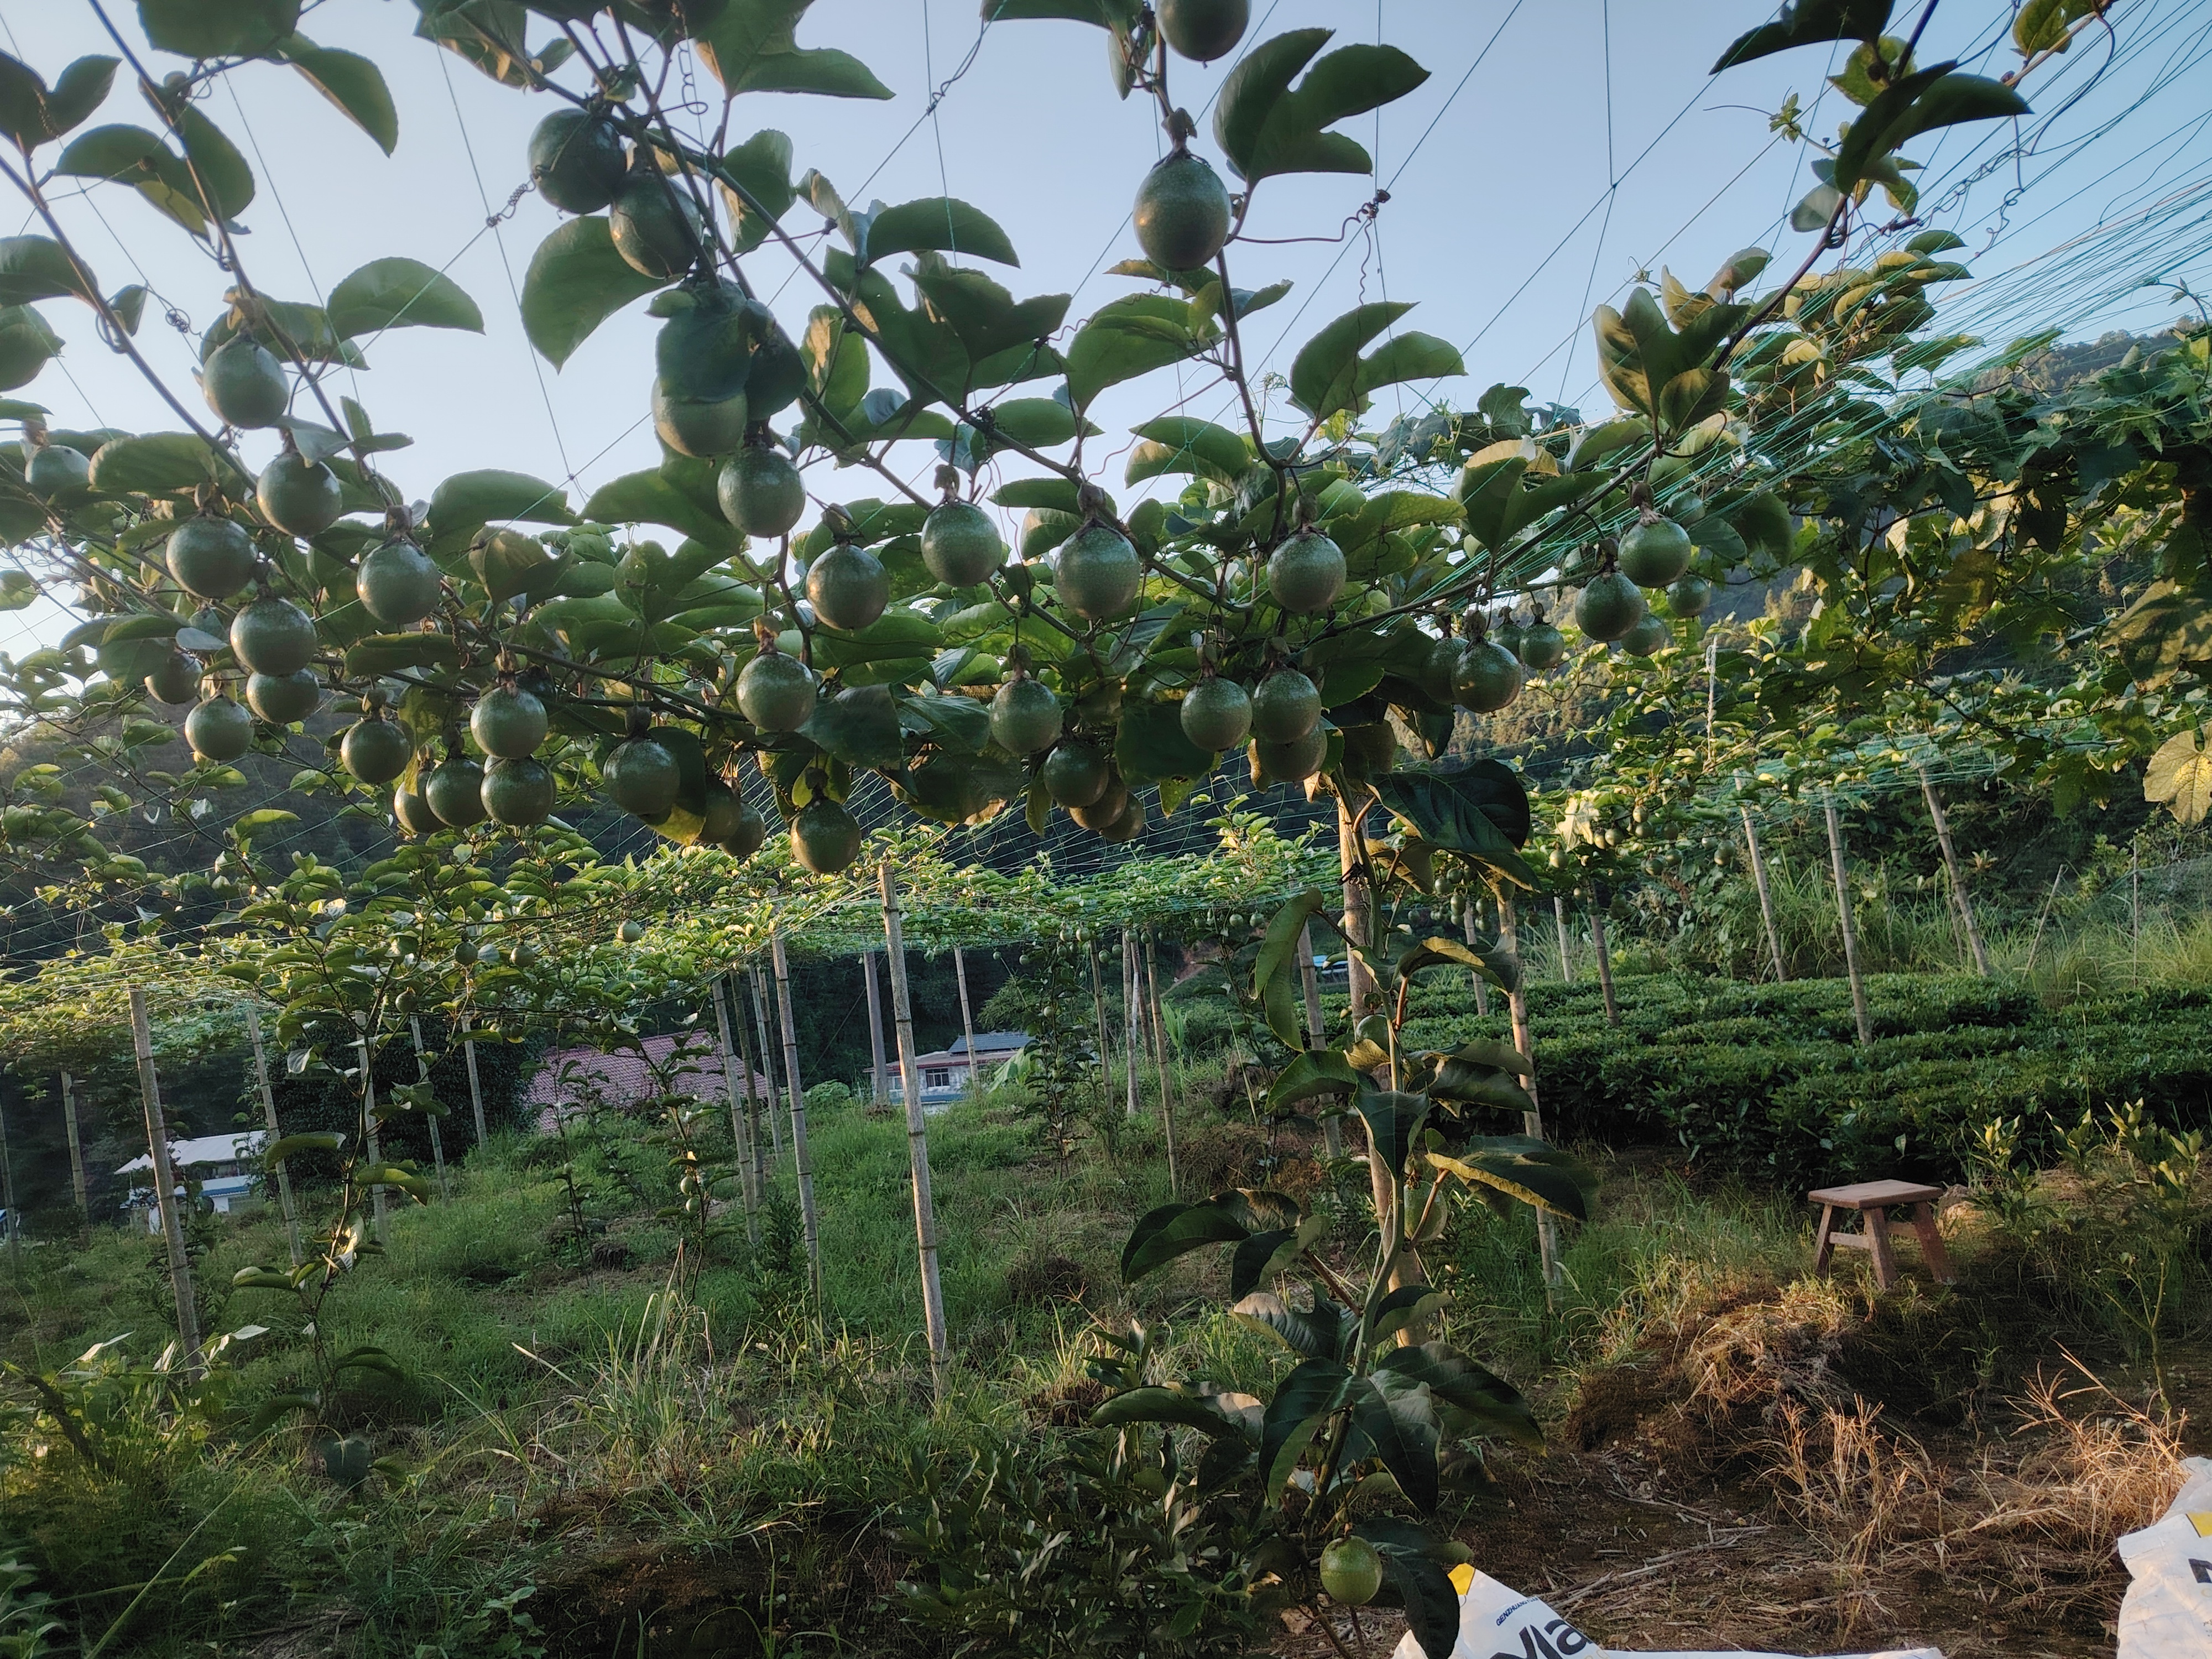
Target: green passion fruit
(454, 790)
(748, 835)
(175, 679)
(848, 587)
(1439, 668)
(1608, 606)
(272, 636)
(416, 819)
(778, 373)
(960, 545)
(1369, 749)
(57, 470)
(1306, 573)
(1129, 826)
(1216, 714)
(1097, 572)
(1350, 1571)
(762, 492)
(1113, 801)
(1026, 716)
(654, 222)
(1075, 775)
(211, 558)
(518, 793)
(1181, 213)
(643, 776)
(1690, 596)
(1285, 707)
(508, 722)
(1649, 635)
(706, 350)
(576, 161)
(1488, 677)
(26, 342)
(1655, 552)
(1203, 30)
(1543, 646)
(699, 427)
(219, 730)
(719, 821)
(824, 838)
(375, 749)
(397, 583)
(776, 692)
(301, 497)
(1293, 762)
(244, 383)
(281, 699)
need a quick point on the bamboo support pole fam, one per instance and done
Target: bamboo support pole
(376, 1199)
(1532, 1121)
(1473, 933)
(1766, 897)
(75, 1148)
(740, 1117)
(2043, 916)
(1559, 925)
(269, 1116)
(1844, 914)
(1133, 1044)
(476, 1088)
(767, 1062)
(165, 1183)
(917, 1132)
(1604, 956)
(967, 1019)
(1332, 1127)
(795, 1092)
(1959, 898)
(7, 1199)
(437, 1139)
(879, 1091)
(1160, 1045)
(756, 1152)
(1098, 1002)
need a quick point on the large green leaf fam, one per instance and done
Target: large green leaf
(752, 48)
(575, 281)
(1313, 1072)
(1395, 1120)
(400, 292)
(158, 464)
(939, 223)
(35, 268)
(1126, 338)
(651, 498)
(1265, 126)
(32, 113)
(1479, 812)
(350, 81)
(1185, 1407)
(1173, 1230)
(1254, 1264)
(1473, 1399)
(2180, 774)
(1525, 1168)
(1325, 375)
(1304, 1401)
(1183, 443)
(1809, 23)
(220, 177)
(1318, 1334)
(1151, 746)
(1394, 1418)
(2167, 632)
(1275, 979)
(859, 725)
(468, 500)
(218, 29)
(762, 167)
(1415, 1568)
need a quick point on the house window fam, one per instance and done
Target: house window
(936, 1078)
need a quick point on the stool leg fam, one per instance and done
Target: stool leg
(1932, 1245)
(1876, 1224)
(1824, 1246)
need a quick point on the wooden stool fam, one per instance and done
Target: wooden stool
(1872, 1199)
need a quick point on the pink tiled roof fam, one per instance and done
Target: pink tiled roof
(623, 1079)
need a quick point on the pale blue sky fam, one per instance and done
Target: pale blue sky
(1498, 181)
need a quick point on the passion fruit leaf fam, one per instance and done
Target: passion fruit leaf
(1809, 23)
(1151, 745)
(33, 114)
(752, 47)
(1126, 338)
(943, 223)
(387, 653)
(223, 181)
(1324, 375)
(1479, 812)
(467, 501)
(1273, 980)
(159, 464)
(35, 268)
(350, 81)
(1264, 127)
(1040, 422)
(575, 281)
(1183, 443)
(400, 292)
(859, 725)
(218, 29)
(762, 168)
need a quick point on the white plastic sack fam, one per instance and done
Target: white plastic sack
(1498, 1623)
(2167, 1613)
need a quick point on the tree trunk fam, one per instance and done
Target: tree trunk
(1332, 1127)
(917, 1132)
(1160, 1044)
(1844, 914)
(878, 1092)
(437, 1141)
(741, 1138)
(269, 1116)
(1604, 957)
(967, 1019)
(1473, 933)
(795, 1092)
(1532, 1121)
(476, 1088)
(76, 1151)
(1560, 924)
(378, 1229)
(164, 1184)
(1959, 894)
(1382, 1181)
(1765, 898)
(767, 1062)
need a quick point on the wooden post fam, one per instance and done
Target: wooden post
(476, 1088)
(2044, 914)
(767, 1061)
(795, 1092)
(1332, 1127)
(376, 1202)
(437, 1139)
(1383, 1182)
(1098, 1001)
(1604, 956)
(917, 1132)
(1959, 895)
(1559, 925)
(269, 1116)
(1765, 899)
(967, 1019)
(8, 1198)
(1133, 1044)
(2135, 912)
(1473, 934)
(1160, 1044)
(1843, 913)
(877, 1090)
(75, 1148)
(755, 1153)
(740, 1119)
(1532, 1121)
(165, 1183)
